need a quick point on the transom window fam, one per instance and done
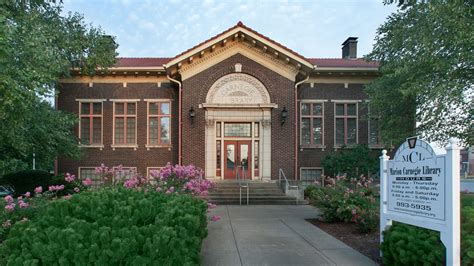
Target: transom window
(346, 123)
(90, 127)
(237, 130)
(125, 123)
(312, 123)
(159, 123)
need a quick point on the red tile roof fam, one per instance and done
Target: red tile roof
(339, 62)
(141, 61)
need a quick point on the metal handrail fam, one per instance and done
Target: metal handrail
(246, 185)
(287, 184)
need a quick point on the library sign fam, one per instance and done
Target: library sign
(422, 188)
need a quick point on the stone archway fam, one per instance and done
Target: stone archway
(238, 88)
(238, 98)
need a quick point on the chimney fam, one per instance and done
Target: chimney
(349, 48)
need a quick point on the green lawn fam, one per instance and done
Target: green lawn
(467, 200)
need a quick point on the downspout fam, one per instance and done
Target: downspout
(296, 124)
(179, 113)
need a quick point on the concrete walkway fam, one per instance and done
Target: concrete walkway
(273, 235)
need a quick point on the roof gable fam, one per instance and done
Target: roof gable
(242, 33)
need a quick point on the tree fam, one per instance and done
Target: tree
(38, 45)
(426, 52)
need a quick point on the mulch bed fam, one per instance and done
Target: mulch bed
(367, 244)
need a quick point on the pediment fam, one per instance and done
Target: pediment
(243, 40)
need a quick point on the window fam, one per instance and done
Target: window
(312, 124)
(374, 131)
(311, 174)
(159, 123)
(237, 130)
(346, 124)
(89, 172)
(256, 158)
(124, 172)
(125, 123)
(90, 126)
(155, 171)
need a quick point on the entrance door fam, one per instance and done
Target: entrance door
(237, 158)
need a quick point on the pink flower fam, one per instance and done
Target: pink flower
(159, 189)
(38, 190)
(8, 199)
(211, 205)
(68, 196)
(354, 211)
(7, 224)
(27, 194)
(19, 198)
(170, 190)
(22, 204)
(87, 182)
(77, 190)
(215, 218)
(10, 207)
(56, 188)
(24, 220)
(69, 178)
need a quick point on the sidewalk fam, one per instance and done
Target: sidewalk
(273, 235)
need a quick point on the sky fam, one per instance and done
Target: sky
(152, 28)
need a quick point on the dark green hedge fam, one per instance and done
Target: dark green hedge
(27, 180)
(410, 245)
(111, 227)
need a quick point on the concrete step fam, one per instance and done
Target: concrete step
(260, 202)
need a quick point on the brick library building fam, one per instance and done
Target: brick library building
(238, 103)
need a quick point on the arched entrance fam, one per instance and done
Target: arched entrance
(238, 128)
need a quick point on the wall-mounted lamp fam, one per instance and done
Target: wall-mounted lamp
(284, 115)
(192, 114)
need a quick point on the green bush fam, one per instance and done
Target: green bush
(27, 180)
(352, 161)
(410, 245)
(111, 227)
(345, 200)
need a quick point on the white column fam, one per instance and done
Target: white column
(452, 237)
(384, 222)
(210, 156)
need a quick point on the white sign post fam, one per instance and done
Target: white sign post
(421, 188)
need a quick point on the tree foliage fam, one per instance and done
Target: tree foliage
(426, 52)
(38, 45)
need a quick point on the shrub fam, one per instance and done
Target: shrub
(345, 200)
(352, 161)
(410, 245)
(27, 180)
(111, 226)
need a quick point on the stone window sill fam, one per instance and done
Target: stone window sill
(97, 146)
(134, 147)
(317, 146)
(148, 147)
(376, 146)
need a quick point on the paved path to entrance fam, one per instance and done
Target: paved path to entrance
(273, 235)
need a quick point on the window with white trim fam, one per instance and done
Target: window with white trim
(345, 124)
(89, 172)
(159, 123)
(125, 123)
(311, 174)
(312, 124)
(150, 170)
(90, 126)
(125, 172)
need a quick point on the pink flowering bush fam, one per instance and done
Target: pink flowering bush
(27, 205)
(347, 200)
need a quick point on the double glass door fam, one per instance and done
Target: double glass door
(237, 158)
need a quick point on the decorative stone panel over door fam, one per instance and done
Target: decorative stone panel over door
(238, 88)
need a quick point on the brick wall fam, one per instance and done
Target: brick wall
(140, 158)
(281, 92)
(312, 157)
